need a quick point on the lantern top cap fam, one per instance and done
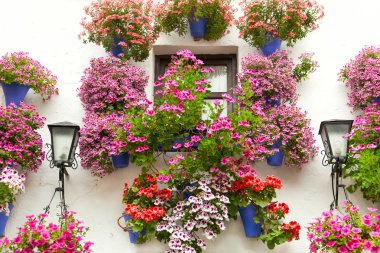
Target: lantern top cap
(335, 121)
(63, 124)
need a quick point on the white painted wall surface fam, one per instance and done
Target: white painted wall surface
(48, 30)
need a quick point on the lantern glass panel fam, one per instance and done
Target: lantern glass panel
(62, 140)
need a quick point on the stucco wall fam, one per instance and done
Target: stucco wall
(48, 30)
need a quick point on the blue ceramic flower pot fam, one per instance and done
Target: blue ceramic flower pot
(14, 92)
(117, 50)
(251, 228)
(133, 235)
(3, 221)
(198, 28)
(271, 45)
(120, 161)
(187, 194)
(272, 102)
(376, 100)
(277, 158)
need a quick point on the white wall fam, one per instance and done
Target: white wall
(48, 30)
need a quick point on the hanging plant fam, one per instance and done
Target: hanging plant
(11, 184)
(21, 143)
(361, 76)
(127, 24)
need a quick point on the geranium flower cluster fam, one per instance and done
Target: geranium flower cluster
(287, 20)
(18, 67)
(295, 133)
(97, 142)
(275, 77)
(16, 184)
(145, 203)
(110, 84)
(38, 236)
(206, 210)
(349, 232)
(21, 144)
(362, 76)
(130, 21)
(364, 153)
(173, 15)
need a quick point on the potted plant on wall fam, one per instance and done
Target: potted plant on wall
(19, 73)
(38, 236)
(266, 23)
(361, 76)
(22, 144)
(363, 163)
(123, 27)
(346, 232)
(207, 19)
(271, 80)
(11, 184)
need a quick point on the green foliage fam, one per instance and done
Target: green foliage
(6, 195)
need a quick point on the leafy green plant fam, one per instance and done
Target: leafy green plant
(6, 195)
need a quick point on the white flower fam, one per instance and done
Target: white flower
(209, 234)
(201, 243)
(205, 188)
(220, 225)
(189, 249)
(189, 225)
(208, 196)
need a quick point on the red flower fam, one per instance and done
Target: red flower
(272, 181)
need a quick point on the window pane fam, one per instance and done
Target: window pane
(218, 79)
(211, 101)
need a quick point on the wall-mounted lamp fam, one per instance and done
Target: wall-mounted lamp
(336, 148)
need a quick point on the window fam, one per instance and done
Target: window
(222, 80)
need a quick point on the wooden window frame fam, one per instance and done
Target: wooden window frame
(228, 60)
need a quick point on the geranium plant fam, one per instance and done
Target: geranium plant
(11, 184)
(271, 78)
(21, 144)
(95, 144)
(346, 232)
(363, 164)
(174, 15)
(145, 204)
(38, 236)
(287, 20)
(110, 84)
(361, 76)
(125, 23)
(18, 67)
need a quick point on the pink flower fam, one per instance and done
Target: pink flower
(177, 146)
(173, 160)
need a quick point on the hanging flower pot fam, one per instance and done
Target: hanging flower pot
(277, 158)
(376, 100)
(198, 28)
(117, 49)
(271, 45)
(121, 160)
(272, 102)
(133, 235)
(14, 92)
(3, 220)
(247, 214)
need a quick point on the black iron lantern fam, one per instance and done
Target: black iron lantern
(64, 141)
(336, 146)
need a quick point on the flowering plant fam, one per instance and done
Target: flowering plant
(95, 144)
(275, 77)
(145, 204)
(295, 133)
(110, 84)
(127, 21)
(37, 236)
(350, 232)
(11, 184)
(363, 158)
(18, 67)
(287, 20)
(173, 15)
(19, 141)
(361, 76)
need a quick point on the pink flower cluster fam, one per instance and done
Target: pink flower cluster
(20, 143)
(129, 20)
(97, 142)
(287, 20)
(362, 76)
(275, 77)
(18, 67)
(37, 236)
(14, 181)
(110, 84)
(293, 129)
(351, 232)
